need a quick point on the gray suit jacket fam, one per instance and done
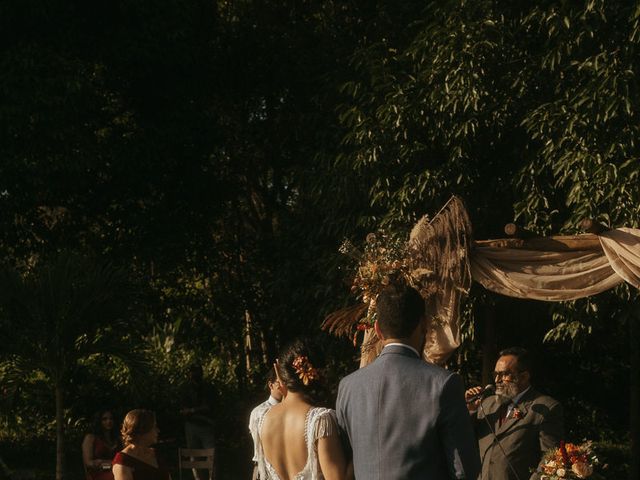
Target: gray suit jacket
(406, 420)
(524, 439)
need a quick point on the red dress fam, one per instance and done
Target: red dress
(142, 470)
(103, 452)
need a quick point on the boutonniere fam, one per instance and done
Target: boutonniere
(516, 413)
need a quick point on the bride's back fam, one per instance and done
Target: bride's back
(283, 438)
(297, 441)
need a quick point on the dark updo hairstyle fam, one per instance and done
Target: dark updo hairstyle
(314, 391)
(136, 423)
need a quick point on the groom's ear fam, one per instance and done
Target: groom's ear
(376, 328)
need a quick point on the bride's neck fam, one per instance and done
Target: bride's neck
(293, 397)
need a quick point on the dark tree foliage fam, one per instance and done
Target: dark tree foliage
(221, 151)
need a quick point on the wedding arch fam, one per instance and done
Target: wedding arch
(441, 260)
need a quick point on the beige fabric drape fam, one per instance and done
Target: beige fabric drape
(541, 275)
(560, 276)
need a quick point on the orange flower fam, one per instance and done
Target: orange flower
(304, 369)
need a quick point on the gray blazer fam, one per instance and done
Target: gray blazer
(524, 437)
(406, 420)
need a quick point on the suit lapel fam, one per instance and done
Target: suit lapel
(522, 408)
(493, 410)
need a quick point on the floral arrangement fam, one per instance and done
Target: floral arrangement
(383, 258)
(434, 259)
(569, 461)
(304, 369)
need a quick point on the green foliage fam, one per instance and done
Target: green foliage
(222, 151)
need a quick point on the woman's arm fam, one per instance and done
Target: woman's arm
(333, 463)
(122, 472)
(87, 450)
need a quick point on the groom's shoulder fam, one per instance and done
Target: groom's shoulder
(360, 375)
(410, 367)
(436, 372)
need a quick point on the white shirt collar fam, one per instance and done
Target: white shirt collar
(272, 401)
(398, 344)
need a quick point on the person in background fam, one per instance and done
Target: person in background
(516, 425)
(138, 459)
(99, 446)
(196, 412)
(275, 396)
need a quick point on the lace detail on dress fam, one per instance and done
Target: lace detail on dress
(325, 425)
(319, 423)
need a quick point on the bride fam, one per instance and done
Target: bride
(298, 440)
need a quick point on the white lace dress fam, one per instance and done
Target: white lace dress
(320, 422)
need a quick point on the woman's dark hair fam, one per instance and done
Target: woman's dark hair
(300, 369)
(96, 425)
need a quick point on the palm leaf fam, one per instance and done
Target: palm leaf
(342, 322)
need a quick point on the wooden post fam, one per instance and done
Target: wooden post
(559, 243)
(510, 229)
(513, 230)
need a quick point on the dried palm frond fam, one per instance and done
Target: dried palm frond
(435, 261)
(343, 322)
(439, 249)
(442, 246)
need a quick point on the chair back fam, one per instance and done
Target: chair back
(198, 458)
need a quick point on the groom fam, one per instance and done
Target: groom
(405, 418)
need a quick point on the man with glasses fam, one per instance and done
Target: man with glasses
(517, 424)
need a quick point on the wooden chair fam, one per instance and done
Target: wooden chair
(196, 458)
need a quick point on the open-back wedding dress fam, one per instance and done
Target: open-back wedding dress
(320, 422)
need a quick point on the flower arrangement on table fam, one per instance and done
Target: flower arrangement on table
(569, 461)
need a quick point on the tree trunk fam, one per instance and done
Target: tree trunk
(59, 432)
(634, 414)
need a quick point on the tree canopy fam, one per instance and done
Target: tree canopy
(220, 152)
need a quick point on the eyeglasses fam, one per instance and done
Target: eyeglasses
(505, 375)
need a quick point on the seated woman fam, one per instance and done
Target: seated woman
(99, 446)
(297, 439)
(138, 460)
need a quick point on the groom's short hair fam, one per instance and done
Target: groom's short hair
(399, 310)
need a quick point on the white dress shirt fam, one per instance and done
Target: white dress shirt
(253, 421)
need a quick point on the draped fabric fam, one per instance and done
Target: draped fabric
(439, 268)
(559, 276)
(552, 276)
(443, 261)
